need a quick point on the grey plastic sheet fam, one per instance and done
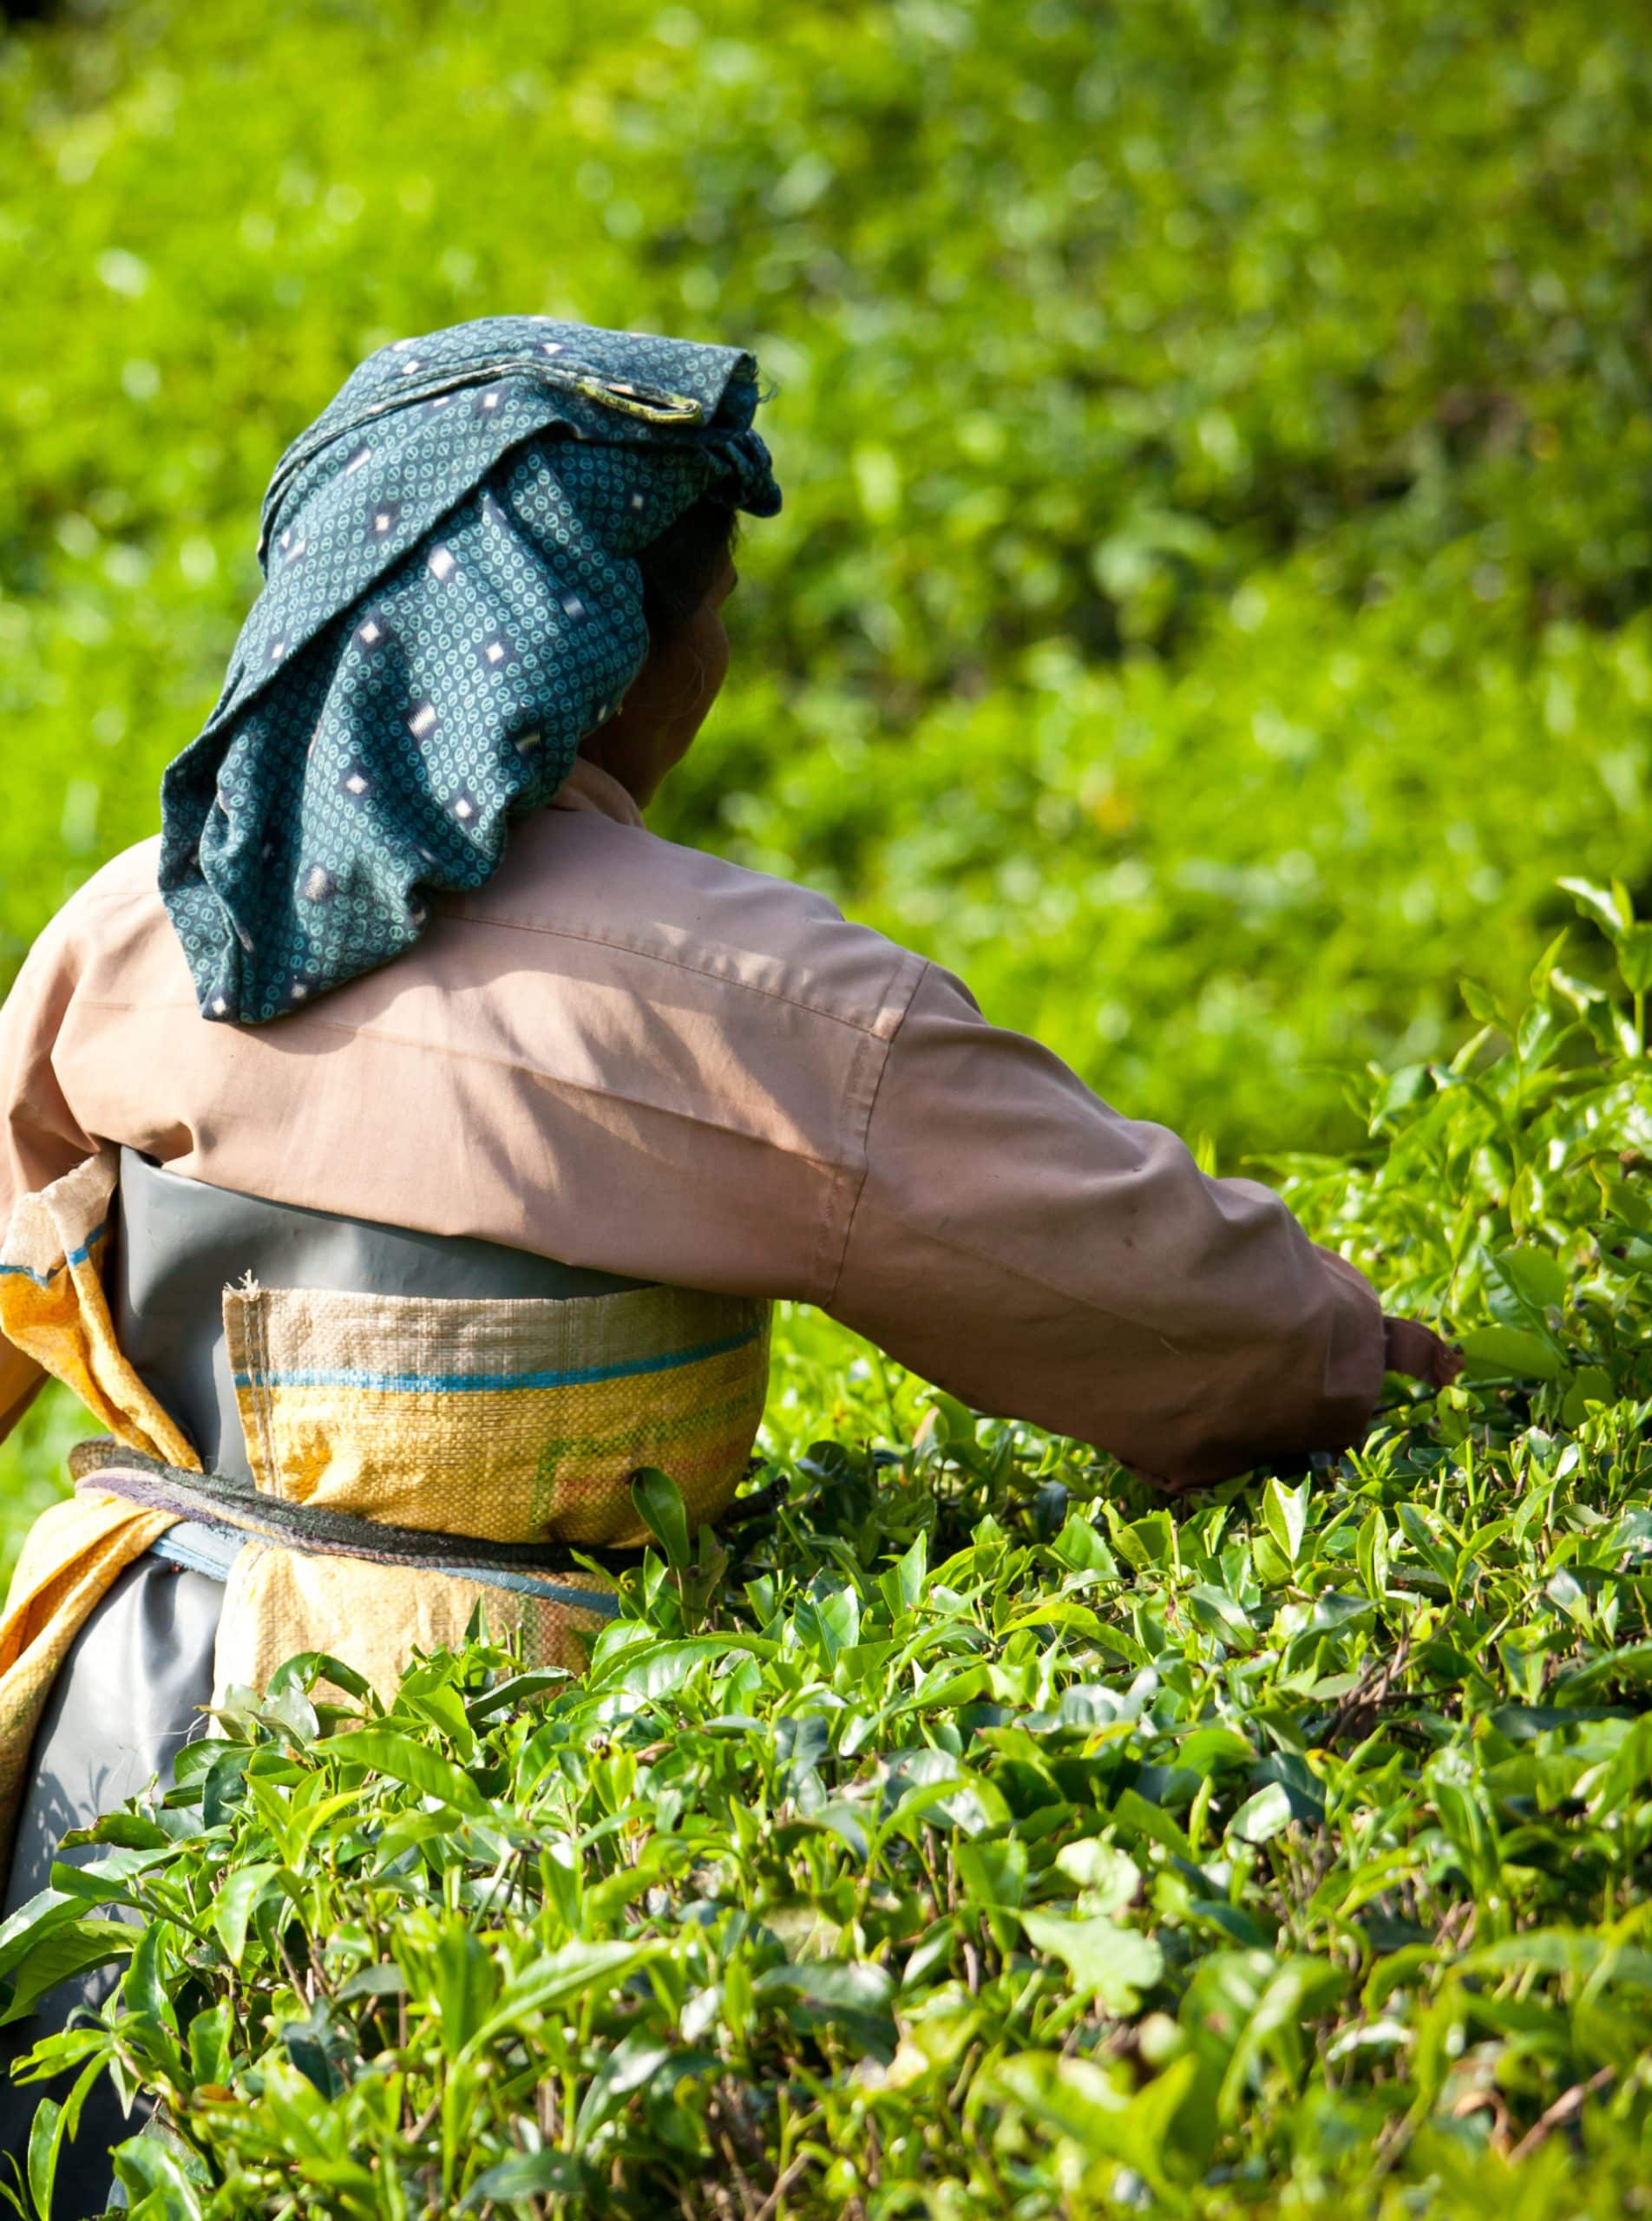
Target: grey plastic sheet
(129, 1696)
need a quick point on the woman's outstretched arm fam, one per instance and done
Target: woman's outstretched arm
(1017, 1241)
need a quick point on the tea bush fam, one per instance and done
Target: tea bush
(984, 1838)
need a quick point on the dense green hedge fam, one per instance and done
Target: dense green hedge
(1209, 600)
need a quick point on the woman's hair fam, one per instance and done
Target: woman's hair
(680, 567)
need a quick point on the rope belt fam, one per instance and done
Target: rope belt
(227, 1512)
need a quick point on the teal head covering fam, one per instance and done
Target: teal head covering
(451, 602)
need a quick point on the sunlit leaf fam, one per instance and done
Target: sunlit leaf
(1106, 1961)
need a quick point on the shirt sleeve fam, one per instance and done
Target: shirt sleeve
(1018, 1243)
(39, 1139)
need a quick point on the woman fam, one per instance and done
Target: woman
(519, 1116)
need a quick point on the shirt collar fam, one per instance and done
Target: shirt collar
(588, 786)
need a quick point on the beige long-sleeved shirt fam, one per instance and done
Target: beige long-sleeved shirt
(634, 1056)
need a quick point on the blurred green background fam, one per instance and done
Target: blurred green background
(1211, 604)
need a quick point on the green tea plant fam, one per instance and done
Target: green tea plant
(973, 1834)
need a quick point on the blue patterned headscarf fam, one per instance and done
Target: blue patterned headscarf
(451, 603)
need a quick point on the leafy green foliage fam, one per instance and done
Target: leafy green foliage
(32, 1462)
(987, 1837)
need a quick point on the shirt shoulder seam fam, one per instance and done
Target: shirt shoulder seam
(922, 967)
(680, 964)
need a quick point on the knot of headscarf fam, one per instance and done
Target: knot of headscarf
(451, 603)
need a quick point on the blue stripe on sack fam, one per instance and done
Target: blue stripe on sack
(471, 1383)
(75, 1257)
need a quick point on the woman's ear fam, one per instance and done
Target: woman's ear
(666, 703)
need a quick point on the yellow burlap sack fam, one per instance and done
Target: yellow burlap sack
(509, 1421)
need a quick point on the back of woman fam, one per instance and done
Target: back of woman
(409, 1146)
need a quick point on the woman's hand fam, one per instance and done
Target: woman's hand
(1409, 1348)
(1417, 1352)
